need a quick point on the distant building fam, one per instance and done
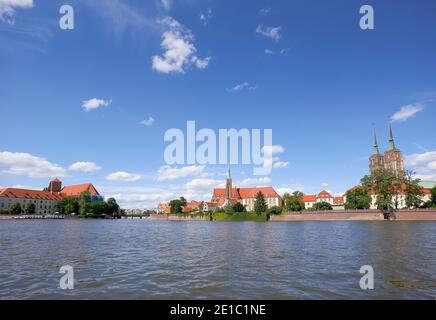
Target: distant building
(399, 200)
(324, 196)
(246, 196)
(164, 208)
(44, 201)
(392, 159)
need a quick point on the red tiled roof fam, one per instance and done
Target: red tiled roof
(244, 193)
(324, 194)
(29, 194)
(337, 200)
(268, 192)
(221, 193)
(76, 190)
(309, 198)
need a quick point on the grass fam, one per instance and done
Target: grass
(243, 216)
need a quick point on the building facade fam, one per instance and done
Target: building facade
(324, 196)
(391, 160)
(44, 201)
(245, 196)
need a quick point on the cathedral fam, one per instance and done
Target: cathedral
(391, 160)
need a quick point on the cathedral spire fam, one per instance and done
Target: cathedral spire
(391, 139)
(229, 174)
(376, 151)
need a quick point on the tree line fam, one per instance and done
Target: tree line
(83, 206)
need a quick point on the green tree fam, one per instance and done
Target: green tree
(177, 205)
(275, 210)
(238, 207)
(358, 199)
(294, 202)
(30, 208)
(112, 206)
(414, 192)
(433, 196)
(260, 203)
(386, 186)
(98, 208)
(84, 202)
(322, 206)
(70, 205)
(16, 208)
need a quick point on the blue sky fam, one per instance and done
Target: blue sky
(302, 68)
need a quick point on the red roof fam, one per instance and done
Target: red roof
(324, 194)
(245, 193)
(309, 198)
(76, 190)
(338, 200)
(221, 193)
(29, 194)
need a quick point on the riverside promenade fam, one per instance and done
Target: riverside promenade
(358, 215)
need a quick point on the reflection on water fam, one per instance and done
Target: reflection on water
(140, 259)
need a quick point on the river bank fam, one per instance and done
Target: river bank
(355, 215)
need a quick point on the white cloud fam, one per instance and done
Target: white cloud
(204, 184)
(407, 112)
(420, 158)
(242, 86)
(166, 4)
(280, 164)
(84, 166)
(325, 184)
(29, 165)
(123, 176)
(273, 149)
(170, 173)
(273, 33)
(8, 7)
(424, 164)
(95, 103)
(268, 51)
(180, 51)
(205, 17)
(148, 121)
(254, 182)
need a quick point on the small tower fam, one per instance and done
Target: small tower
(229, 186)
(55, 186)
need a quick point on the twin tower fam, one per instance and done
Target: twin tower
(391, 160)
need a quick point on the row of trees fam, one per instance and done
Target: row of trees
(294, 202)
(386, 186)
(70, 205)
(84, 206)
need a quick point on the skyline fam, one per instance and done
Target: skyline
(92, 104)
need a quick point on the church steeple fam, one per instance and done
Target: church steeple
(229, 186)
(376, 151)
(391, 139)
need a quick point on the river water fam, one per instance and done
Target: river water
(142, 259)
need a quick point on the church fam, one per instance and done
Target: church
(246, 196)
(391, 160)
